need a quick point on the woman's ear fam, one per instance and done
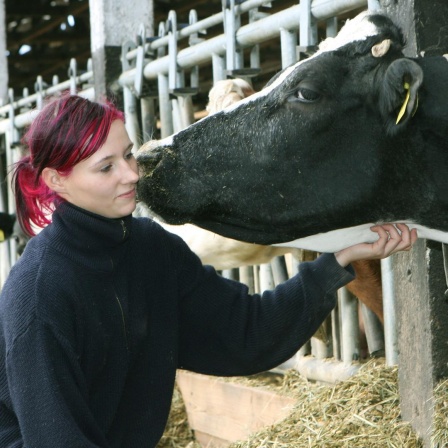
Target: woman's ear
(53, 180)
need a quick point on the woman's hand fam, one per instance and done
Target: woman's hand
(390, 241)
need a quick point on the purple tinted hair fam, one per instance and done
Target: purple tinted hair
(66, 131)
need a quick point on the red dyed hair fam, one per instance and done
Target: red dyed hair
(66, 131)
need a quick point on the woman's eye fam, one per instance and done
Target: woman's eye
(307, 96)
(129, 156)
(106, 169)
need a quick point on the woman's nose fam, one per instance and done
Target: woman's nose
(131, 172)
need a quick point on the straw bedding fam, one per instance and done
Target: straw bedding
(439, 437)
(362, 411)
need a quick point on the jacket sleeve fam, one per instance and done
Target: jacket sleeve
(48, 392)
(226, 331)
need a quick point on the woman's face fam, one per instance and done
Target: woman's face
(105, 182)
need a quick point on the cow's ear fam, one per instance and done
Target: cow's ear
(398, 99)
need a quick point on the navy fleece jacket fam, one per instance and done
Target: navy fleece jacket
(97, 315)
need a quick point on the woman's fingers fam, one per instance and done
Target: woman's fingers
(394, 238)
(391, 239)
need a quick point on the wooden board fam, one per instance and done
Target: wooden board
(222, 412)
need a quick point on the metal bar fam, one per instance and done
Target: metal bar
(247, 36)
(390, 333)
(288, 41)
(65, 85)
(336, 333)
(24, 119)
(374, 331)
(149, 124)
(219, 68)
(247, 277)
(266, 278)
(279, 270)
(131, 116)
(350, 326)
(325, 370)
(202, 25)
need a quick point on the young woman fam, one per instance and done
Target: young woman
(102, 308)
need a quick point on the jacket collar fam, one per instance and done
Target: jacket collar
(87, 238)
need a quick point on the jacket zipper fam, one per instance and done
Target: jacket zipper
(124, 322)
(123, 226)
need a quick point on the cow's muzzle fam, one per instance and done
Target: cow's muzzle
(148, 160)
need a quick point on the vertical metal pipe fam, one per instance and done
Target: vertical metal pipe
(288, 42)
(336, 333)
(5, 264)
(374, 331)
(230, 33)
(165, 110)
(349, 325)
(279, 271)
(332, 27)
(321, 342)
(247, 277)
(166, 117)
(390, 330)
(231, 274)
(72, 71)
(266, 278)
(173, 78)
(148, 118)
(130, 112)
(219, 68)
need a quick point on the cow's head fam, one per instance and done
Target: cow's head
(312, 152)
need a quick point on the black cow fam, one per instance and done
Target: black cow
(354, 135)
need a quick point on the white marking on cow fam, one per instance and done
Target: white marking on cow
(153, 144)
(340, 239)
(356, 29)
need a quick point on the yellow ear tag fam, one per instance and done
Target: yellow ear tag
(2, 236)
(405, 103)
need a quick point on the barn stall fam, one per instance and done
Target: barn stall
(161, 77)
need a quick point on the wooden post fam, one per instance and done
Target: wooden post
(422, 309)
(112, 23)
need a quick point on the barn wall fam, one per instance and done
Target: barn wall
(422, 308)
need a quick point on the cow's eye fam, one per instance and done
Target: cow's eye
(307, 96)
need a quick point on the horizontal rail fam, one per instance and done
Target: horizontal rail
(197, 27)
(248, 35)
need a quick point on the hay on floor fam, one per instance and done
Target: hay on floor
(359, 412)
(362, 411)
(439, 437)
(178, 433)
